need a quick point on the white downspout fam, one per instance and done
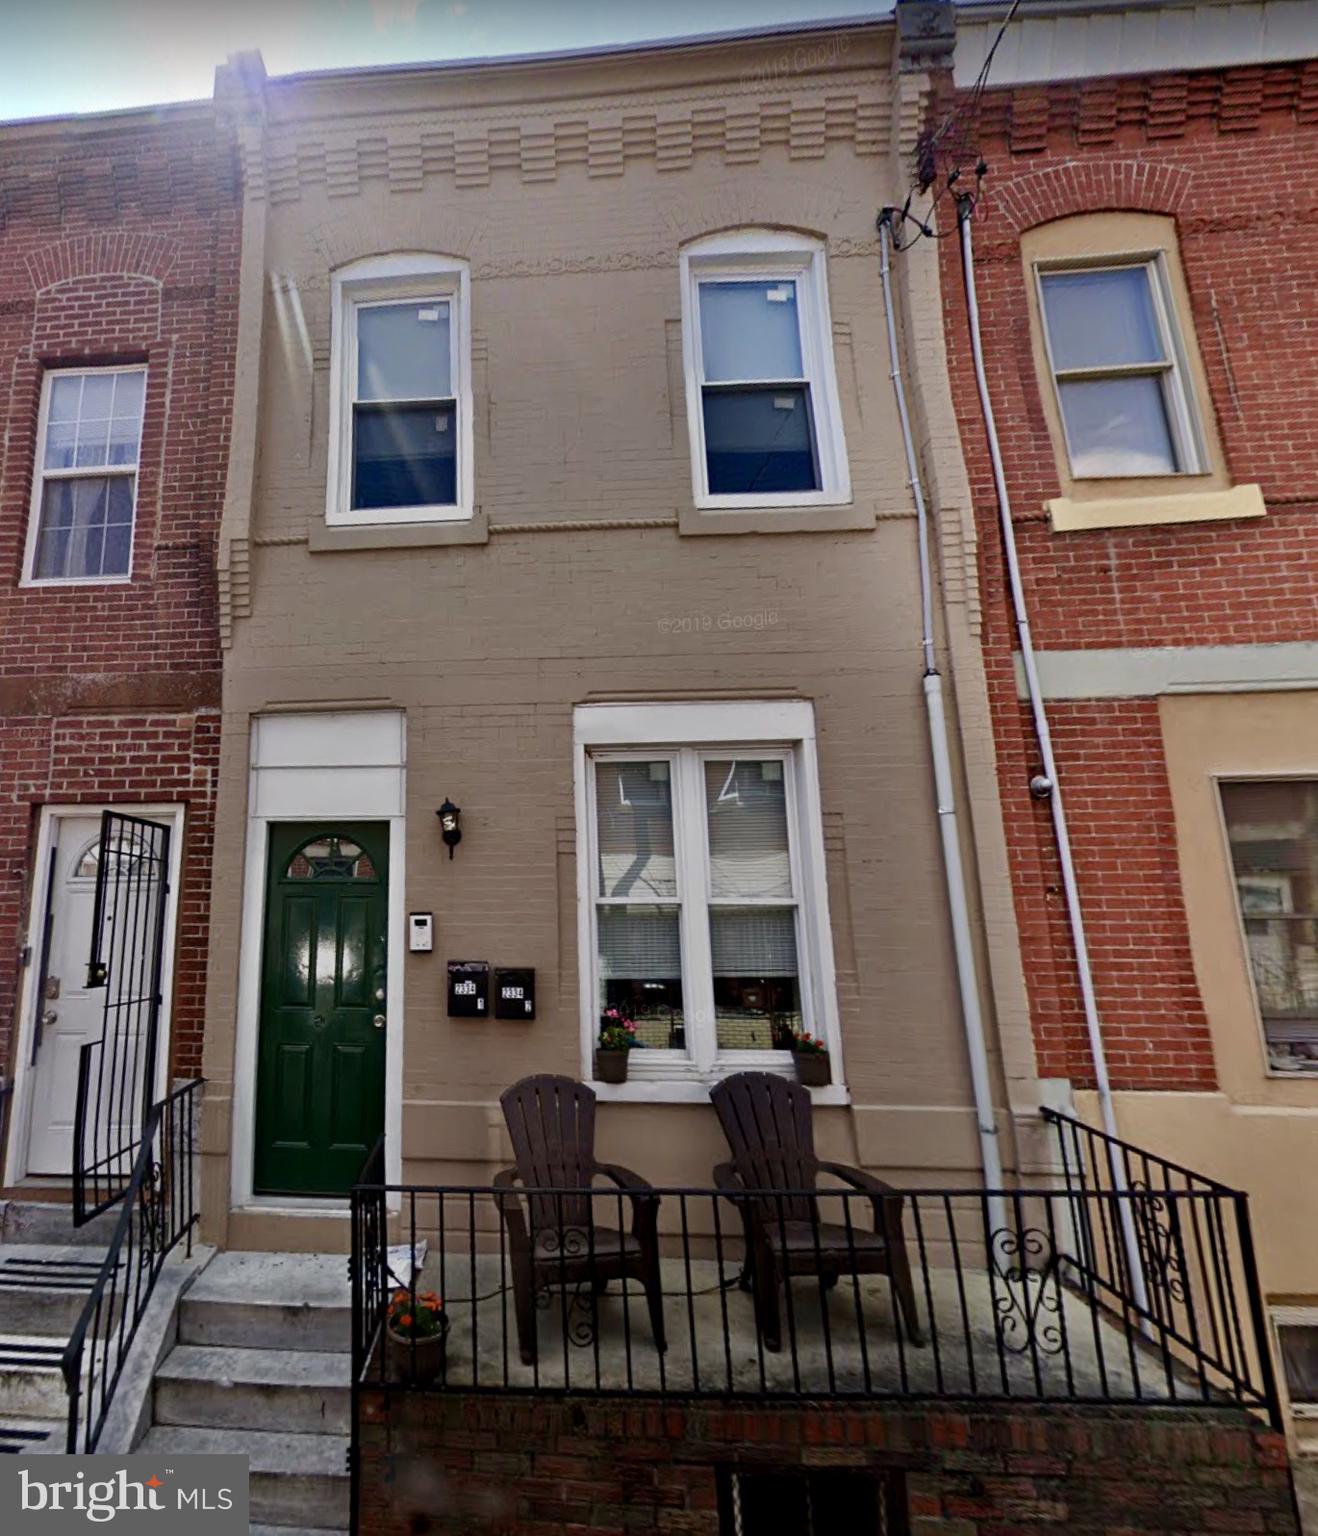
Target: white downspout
(972, 1018)
(1050, 787)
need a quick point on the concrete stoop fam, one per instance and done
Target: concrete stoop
(47, 1269)
(261, 1368)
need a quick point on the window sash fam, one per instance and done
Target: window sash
(784, 263)
(1170, 370)
(42, 476)
(356, 306)
(694, 903)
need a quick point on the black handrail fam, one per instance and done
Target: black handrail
(1193, 1257)
(159, 1211)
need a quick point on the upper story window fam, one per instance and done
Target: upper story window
(400, 411)
(762, 401)
(1117, 368)
(84, 490)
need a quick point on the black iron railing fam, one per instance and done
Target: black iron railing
(159, 1211)
(1021, 1295)
(1180, 1243)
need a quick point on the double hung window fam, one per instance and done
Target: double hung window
(85, 486)
(400, 427)
(763, 409)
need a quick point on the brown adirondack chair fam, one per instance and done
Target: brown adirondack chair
(767, 1120)
(552, 1124)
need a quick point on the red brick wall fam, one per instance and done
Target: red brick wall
(549, 1467)
(119, 242)
(1217, 151)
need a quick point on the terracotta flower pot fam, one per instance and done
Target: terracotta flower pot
(812, 1068)
(419, 1361)
(611, 1066)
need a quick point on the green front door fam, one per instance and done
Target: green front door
(320, 1062)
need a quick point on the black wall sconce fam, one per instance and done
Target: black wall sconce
(450, 824)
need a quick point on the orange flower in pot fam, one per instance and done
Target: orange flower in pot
(418, 1334)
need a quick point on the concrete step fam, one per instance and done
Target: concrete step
(289, 1530)
(296, 1480)
(31, 1382)
(296, 1391)
(21, 1435)
(43, 1287)
(279, 1301)
(47, 1221)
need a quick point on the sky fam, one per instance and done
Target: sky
(62, 56)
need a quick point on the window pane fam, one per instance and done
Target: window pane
(1273, 831)
(1096, 319)
(750, 330)
(403, 352)
(634, 826)
(640, 951)
(85, 528)
(1118, 427)
(759, 440)
(1299, 1358)
(757, 999)
(747, 816)
(404, 456)
(331, 858)
(94, 419)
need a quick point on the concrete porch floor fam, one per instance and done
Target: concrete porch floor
(979, 1343)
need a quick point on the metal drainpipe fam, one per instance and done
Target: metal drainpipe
(1050, 787)
(972, 1018)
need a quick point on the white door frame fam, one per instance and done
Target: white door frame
(247, 1037)
(29, 1004)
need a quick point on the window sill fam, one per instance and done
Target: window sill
(686, 1090)
(798, 517)
(1070, 516)
(325, 537)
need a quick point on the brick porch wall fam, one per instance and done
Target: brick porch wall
(517, 1467)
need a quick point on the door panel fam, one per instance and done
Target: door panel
(320, 1059)
(66, 1021)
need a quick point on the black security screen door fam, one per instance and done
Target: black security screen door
(116, 1073)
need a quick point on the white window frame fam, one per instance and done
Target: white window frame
(40, 475)
(1173, 374)
(382, 280)
(763, 255)
(688, 735)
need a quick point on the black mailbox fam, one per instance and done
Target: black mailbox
(514, 993)
(468, 989)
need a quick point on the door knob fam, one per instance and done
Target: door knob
(49, 1017)
(379, 1021)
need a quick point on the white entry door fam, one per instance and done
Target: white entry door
(70, 1013)
(67, 1014)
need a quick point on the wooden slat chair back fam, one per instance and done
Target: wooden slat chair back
(551, 1122)
(768, 1123)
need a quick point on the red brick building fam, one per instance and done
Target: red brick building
(118, 293)
(1146, 267)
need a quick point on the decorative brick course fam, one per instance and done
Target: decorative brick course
(518, 1466)
(1216, 150)
(119, 242)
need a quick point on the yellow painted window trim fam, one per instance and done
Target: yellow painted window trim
(1071, 516)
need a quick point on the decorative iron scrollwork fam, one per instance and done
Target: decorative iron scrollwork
(1160, 1247)
(1027, 1299)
